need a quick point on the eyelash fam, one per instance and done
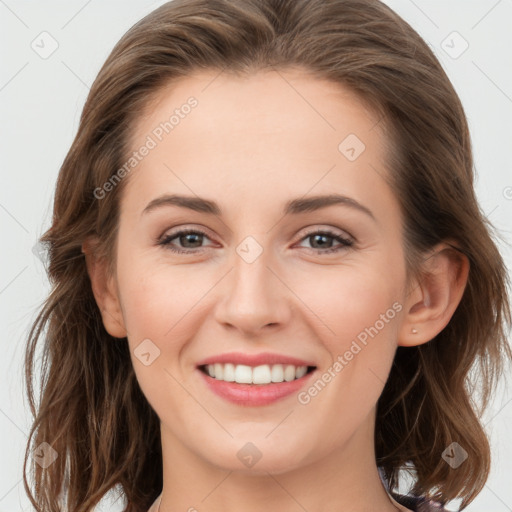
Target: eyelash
(166, 241)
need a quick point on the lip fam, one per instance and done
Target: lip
(255, 359)
(252, 395)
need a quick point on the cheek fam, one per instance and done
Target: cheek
(349, 300)
(340, 303)
(360, 314)
(160, 304)
(156, 298)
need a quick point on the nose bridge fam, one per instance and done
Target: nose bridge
(254, 297)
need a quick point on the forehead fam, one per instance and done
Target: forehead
(251, 136)
(259, 102)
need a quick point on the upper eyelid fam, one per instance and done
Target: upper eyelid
(307, 229)
(174, 233)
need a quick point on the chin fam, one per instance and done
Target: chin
(259, 458)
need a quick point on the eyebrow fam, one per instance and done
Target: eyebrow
(292, 207)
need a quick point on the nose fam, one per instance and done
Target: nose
(254, 297)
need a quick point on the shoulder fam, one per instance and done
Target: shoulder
(418, 503)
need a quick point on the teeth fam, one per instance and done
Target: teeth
(243, 374)
(261, 375)
(264, 374)
(229, 372)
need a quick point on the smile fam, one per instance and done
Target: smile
(263, 374)
(255, 389)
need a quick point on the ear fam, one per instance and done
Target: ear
(434, 295)
(104, 288)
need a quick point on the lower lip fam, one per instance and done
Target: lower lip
(254, 394)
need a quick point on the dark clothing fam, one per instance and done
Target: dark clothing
(418, 504)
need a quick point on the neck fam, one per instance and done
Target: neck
(346, 476)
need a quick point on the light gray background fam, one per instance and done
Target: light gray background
(40, 103)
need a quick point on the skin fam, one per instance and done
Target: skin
(251, 144)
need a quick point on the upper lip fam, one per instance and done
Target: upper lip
(254, 359)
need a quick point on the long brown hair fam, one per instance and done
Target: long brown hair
(91, 410)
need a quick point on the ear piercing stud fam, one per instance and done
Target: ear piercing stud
(414, 331)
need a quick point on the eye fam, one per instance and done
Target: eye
(323, 246)
(190, 238)
(191, 241)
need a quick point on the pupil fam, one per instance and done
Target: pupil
(190, 235)
(316, 237)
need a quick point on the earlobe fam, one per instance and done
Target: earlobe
(435, 295)
(105, 291)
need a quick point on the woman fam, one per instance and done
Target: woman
(250, 370)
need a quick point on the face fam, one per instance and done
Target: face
(264, 271)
